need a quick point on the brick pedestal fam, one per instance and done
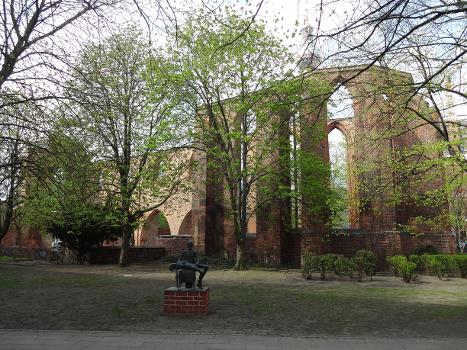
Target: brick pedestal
(186, 301)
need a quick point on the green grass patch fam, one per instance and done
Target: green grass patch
(4, 258)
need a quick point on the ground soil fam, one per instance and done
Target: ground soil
(258, 301)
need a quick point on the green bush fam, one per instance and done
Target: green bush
(324, 264)
(396, 262)
(365, 262)
(407, 270)
(461, 261)
(338, 265)
(421, 261)
(348, 267)
(442, 265)
(309, 265)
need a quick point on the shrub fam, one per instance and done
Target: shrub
(396, 262)
(338, 264)
(348, 266)
(365, 262)
(449, 263)
(442, 265)
(434, 266)
(424, 262)
(324, 264)
(407, 269)
(421, 261)
(309, 264)
(461, 261)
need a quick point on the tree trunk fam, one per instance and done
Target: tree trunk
(125, 245)
(240, 263)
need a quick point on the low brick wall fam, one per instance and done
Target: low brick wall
(443, 242)
(345, 244)
(110, 255)
(174, 245)
(185, 301)
(33, 253)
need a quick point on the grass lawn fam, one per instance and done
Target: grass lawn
(43, 296)
(4, 258)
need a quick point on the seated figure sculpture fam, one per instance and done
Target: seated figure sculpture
(185, 268)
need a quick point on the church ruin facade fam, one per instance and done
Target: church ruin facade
(373, 220)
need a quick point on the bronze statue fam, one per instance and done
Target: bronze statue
(185, 268)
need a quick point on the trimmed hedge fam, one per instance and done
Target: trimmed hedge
(363, 262)
(441, 265)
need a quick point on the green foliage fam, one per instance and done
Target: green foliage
(402, 267)
(242, 95)
(407, 270)
(326, 263)
(365, 262)
(66, 199)
(309, 265)
(461, 261)
(420, 261)
(396, 262)
(441, 265)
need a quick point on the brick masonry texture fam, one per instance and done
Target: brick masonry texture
(183, 301)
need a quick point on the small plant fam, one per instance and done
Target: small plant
(407, 270)
(461, 261)
(309, 264)
(442, 265)
(349, 267)
(324, 264)
(421, 262)
(396, 262)
(338, 265)
(365, 262)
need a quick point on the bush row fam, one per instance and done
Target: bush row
(363, 262)
(441, 265)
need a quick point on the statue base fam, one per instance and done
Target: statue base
(186, 301)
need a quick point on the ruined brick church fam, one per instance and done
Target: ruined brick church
(200, 215)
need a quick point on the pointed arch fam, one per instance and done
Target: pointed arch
(187, 227)
(338, 163)
(155, 225)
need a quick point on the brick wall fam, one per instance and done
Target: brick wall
(111, 255)
(443, 242)
(345, 244)
(174, 245)
(186, 301)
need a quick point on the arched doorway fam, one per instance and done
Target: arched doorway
(155, 225)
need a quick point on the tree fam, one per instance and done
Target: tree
(133, 130)
(427, 39)
(19, 133)
(65, 198)
(235, 73)
(28, 28)
(33, 53)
